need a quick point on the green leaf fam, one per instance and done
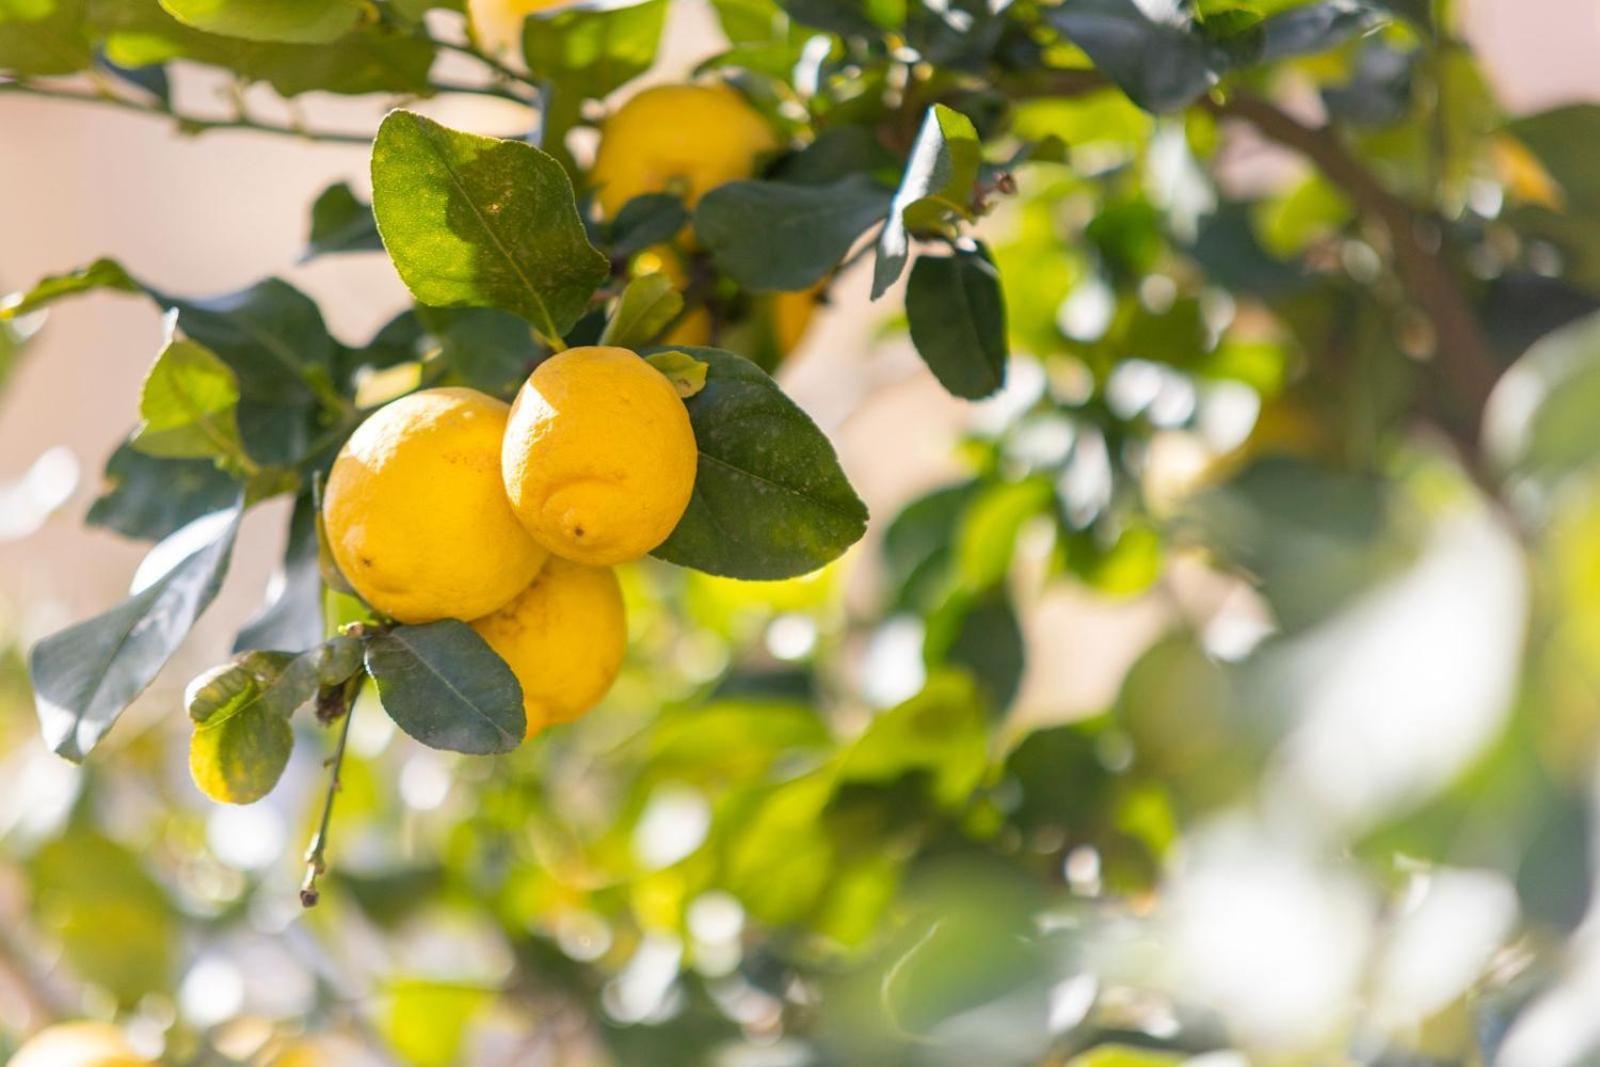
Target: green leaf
(987, 536)
(491, 350)
(647, 306)
(426, 1022)
(445, 687)
(918, 547)
(148, 498)
(774, 235)
(942, 732)
(44, 37)
(291, 620)
(1163, 65)
(983, 636)
(687, 374)
(292, 21)
(101, 274)
(341, 222)
(936, 186)
(113, 921)
(188, 406)
(958, 321)
(477, 221)
(848, 18)
(770, 500)
(84, 676)
(644, 221)
(1313, 28)
(589, 51)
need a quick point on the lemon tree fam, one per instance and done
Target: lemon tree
(564, 476)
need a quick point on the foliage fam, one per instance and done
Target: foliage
(833, 829)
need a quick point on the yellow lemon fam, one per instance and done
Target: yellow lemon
(497, 24)
(416, 515)
(688, 138)
(563, 638)
(694, 325)
(791, 317)
(78, 1044)
(599, 458)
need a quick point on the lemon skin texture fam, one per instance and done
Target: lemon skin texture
(78, 1044)
(563, 638)
(686, 138)
(599, 459)
(416, 516)
(497, 24)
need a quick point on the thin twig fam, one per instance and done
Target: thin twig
(504, 71)
(186, 123)
(316, 853)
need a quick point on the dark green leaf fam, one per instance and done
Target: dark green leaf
(151, 78)
(589, 51)
(936, 187)
(919, 545)
(1162, 65)
(341, 222)
(483, 348)
(445, 687)
(773, 235)
(149, 498)
(1317, 27)
(647, 305)
(477, 221)
(848, 18)
(770, 500)
(84, 676)
(958, 321)
(982, 636)
(644, 221)
(291, 620)
(293, 21)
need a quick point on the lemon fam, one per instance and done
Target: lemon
(563, 638)
(497, 24)
(791, 317)
(78, 1044)
(416, 516)
(694, 325)
(599, 459)
(684, 138)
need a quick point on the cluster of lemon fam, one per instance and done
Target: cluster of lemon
(450, 504)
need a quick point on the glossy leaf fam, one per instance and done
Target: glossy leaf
(1316, 27)
(84, 676)
(774, 235)
(481, 222)
(148, 498)
(294, 21)
(937, 185)
(1162, 64)
(445, 687)
(958, 321)
(291, 620)
(770, 500)
(644, 221)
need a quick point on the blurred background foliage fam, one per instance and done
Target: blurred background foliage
(1319, 376)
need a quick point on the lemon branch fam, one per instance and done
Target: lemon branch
(344, 703)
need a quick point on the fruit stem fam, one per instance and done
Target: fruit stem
(316, 860)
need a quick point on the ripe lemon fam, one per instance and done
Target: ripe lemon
(563, 638)
(416, 515)
(691, 138)
(791, 317)
(694, 325)
(497, 24)
(78, 1044)
(599, 458)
